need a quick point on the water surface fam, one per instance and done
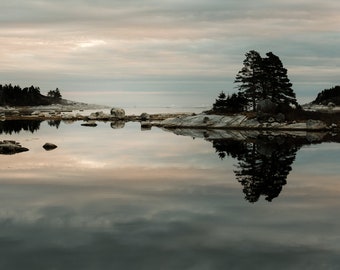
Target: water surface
(122, 198)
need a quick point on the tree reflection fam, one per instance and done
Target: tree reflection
(264, 163)
(15, 126)
(54, 123)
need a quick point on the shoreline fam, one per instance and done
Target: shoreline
(187, 120)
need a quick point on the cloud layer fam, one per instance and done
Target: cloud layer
(195, 46)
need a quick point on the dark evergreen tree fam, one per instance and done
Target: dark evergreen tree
(329, 95)
(276, 84)
(54, 94)
(220, 102)
(29, 96)
(250, 77)
(264, 78)
(229, 104)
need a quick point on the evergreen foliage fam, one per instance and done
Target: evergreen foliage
(276, 85)
(329, 95)
(29, 96)
(55, 94)
(264, 78)
(250, 78)
(229, 104)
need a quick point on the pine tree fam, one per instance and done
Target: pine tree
(229, 104)
(264, 78)
(250, 78)
(276, 84)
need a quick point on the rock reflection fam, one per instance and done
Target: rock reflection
(263, 163)
(117, 124)
(15, 126)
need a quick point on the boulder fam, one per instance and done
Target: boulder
(11, 147)
(49, 146)
(144, 117)
(118, 113)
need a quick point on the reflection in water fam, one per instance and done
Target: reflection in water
(264, 163)
(117, 124)
(54, 123)
(126, 199)
(15, 126)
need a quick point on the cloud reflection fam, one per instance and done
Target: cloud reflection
(159, 201)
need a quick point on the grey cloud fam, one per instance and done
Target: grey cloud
(165, 40)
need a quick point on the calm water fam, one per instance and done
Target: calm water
(122, 198)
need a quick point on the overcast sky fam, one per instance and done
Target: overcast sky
(164, 51)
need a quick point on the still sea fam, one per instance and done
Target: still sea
(119, 197)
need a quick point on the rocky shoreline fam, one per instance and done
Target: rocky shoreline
(66, 111)
(239, 127)
(239, 121)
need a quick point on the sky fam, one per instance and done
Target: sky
(164, 52)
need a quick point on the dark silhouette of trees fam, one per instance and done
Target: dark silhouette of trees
(264, 164)
(229, 104)
(29, 96)
(328, 95)
(54, 94)
(276, 85)
(264, 78)
(250, 78)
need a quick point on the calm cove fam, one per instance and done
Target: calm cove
(114, 197)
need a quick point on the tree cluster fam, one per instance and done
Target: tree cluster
(329, 95)
(229, 104)
(29, 96)
(264, 78)
(261, 78)
(54, 94)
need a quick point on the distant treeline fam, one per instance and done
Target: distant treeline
(329, 95)
(29, 96)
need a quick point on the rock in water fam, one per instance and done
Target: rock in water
(144, 117)
(49, 146)
(89, 124)
(11, 147)
(118, 113)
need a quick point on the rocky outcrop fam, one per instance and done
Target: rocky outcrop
(239, 121)
(118, 113)
(144, 117)
(49, 146)
(11, 147)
